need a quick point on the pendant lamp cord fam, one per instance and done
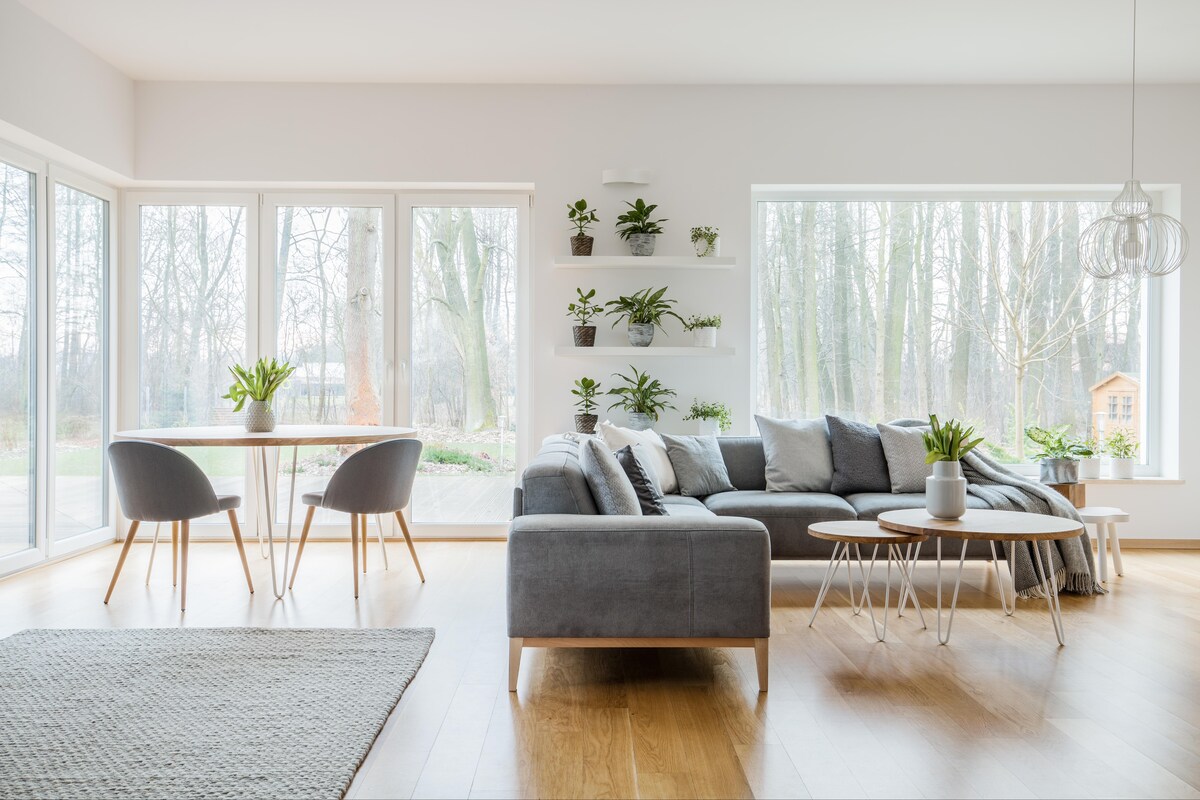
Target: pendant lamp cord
(1133, 98)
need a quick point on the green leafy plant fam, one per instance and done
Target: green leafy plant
(581, 216)
(1121, 443)
(708, 236)
(1057, 442)
(695, 322)
(948, 441)
(713, 411)
(586, 390)
(260, 382)
(583, 308)
(647, 307)
(641, 394)
(637, 219)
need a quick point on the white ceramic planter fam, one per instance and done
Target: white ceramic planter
(1089, 468)
(946, 491)
(259, 417)
(1121, 469)
(704, 337)
(709, 427)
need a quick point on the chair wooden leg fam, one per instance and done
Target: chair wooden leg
(514, 662)
(761, 650)
(133, 526)
(174, 553)
(354, 551)
(237, 538)
(184, 534)
(308, 518)
(408, 540)
(362, 532)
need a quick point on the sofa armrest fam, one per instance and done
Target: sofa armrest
(590, 576)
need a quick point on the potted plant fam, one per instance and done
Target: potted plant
(711, 418)
(1122, 447)
(1059, 453)
(583, 309)
(639, 229)
(645, 311)
(258, 385)
(945, 446)
(1089, 466)
(704, 329)
(643, 398)
(582, 218)
(707, 241)
(586, 390)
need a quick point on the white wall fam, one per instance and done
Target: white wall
(706, 147)
(60, 100)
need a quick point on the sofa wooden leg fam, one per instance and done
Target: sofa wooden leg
(514, 662)
(761, 648)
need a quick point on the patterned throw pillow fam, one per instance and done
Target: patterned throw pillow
(904, 449)
(610, 486)
(649, 497)
(859, 464)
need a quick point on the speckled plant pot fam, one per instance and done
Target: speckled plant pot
(640, 422)
(585, 423)
(641, 244)
(641, 334)
(259, 417)
(585, 335)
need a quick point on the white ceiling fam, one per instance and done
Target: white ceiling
(636, 41)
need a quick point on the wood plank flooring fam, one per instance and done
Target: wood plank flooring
(1000, 712)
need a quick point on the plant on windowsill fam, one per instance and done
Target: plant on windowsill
(712, 418)
(707, 241)
(258, 384)
(586, 390)
(945, 445)
(704, 329)
(1089, 466)
(1122, 448)
(642, 398)
(582, 218)
(583, 309)
(645, 311)
(640, 231)
(1059, 453)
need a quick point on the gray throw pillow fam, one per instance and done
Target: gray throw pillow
(610, 486)
(904, 449)
(859, 464)
(798, 454)
(698, 465)
(650, 499)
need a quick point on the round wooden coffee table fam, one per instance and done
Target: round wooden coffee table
(991, 526)
(858, 533)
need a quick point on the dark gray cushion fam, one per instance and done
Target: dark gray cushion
(859, 464)
(904, 448)
(698, 465)
(787, 516)
(797, 451)
(745, 461)
(869, 505)
(610, 486)
(648, 495)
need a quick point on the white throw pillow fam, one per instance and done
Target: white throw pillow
(653, 450)
(799, 458)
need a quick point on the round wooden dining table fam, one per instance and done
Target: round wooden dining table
(266, 479)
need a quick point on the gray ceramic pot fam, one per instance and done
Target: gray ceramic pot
(640, 422)
(641, 334)
(641, 244)
(259, 417)
(1060, 470)
(946, 491)
(585, 423)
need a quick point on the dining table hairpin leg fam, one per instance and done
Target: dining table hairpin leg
(275, 584)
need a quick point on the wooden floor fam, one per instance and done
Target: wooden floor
(1000, 712)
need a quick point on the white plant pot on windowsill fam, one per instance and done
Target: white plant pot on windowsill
(1089, 468)
(1121, 469)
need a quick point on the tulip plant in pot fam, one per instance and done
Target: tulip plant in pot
(707, 241)
(1059, 453)
(1122, 448)
(582, 218)
(946, 488)
(583, 309)
(645, 311)
(712, 418)
(704, 329)
(642, 398)
(258, 385)
(586, 390)
(639, 229)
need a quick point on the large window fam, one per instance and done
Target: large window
(974, 308)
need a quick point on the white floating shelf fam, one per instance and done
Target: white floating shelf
(644, 262)
(644, 351)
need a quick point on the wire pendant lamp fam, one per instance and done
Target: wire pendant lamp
(1133, 240)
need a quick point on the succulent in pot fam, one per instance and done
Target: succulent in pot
(1059, 453)
(258, 384)
(711, 418)
(704, 329)
(945, 445)
(1122, 448)
(639, 230)
(707, 241)
(582, 218)
(583, 309)
(642, 398)
(645, 311)
(585, 391)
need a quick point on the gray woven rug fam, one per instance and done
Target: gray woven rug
(197, 713)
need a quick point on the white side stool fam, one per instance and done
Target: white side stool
(1105, 518)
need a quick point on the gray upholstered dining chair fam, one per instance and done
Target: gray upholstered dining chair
(156, 483)
(375, 480)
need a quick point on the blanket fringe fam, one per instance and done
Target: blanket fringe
(1076, 583)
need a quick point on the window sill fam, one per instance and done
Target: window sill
(1142, 480)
